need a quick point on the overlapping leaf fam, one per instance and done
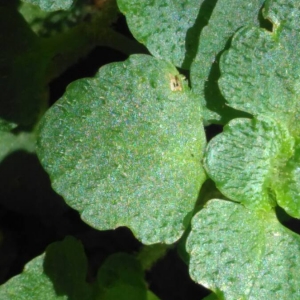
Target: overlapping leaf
(247, 161)
(242, 254)
(61, 272)
(51, 5)
(169, 29)
(58, 274)
(260, 75)
(125, 149)
(261, 70)
(227, 17)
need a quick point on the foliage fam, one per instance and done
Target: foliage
(127, 147)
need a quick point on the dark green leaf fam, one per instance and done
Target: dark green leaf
(58, 274)
(121, 277)
(22, 72)
(50, 23)
(51, 5)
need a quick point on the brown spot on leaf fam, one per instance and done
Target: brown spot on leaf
(175, 83)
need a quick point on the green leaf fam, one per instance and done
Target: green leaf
(51, 5)
(227, 17)
(288, 185)
(261, 71)
(11, 142)
(150, 254)
(248, 159)
(243, 254)
(125, 149)
(151, 296)
(169, 29)
(50, 23)
(121, 277)
(279, 11)
(22, 72)
(58, 274)
(211, 296)
(61, 272)
(260, 75)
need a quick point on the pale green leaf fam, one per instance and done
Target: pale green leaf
(125, 149)
(227, 17)
(287, 185)
(242, 254)
(247, 161)
(169, 29)
(58, 274)
(51, 5)
(11, 142)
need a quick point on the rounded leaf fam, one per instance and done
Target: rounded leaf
(247, 160)
(169, 29)
(125, 149)
(260, 73)
(242, 254)
(225, 18)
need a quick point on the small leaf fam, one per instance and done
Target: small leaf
(247, 160)
(12, 142)
(50, 23)
(58, 274)
(51, 5)
(121, 277)
(169, 29)
(226, 18)
(125, 149)
(242, 254)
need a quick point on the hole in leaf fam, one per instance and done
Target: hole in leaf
(264, 23)
(175, 83)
